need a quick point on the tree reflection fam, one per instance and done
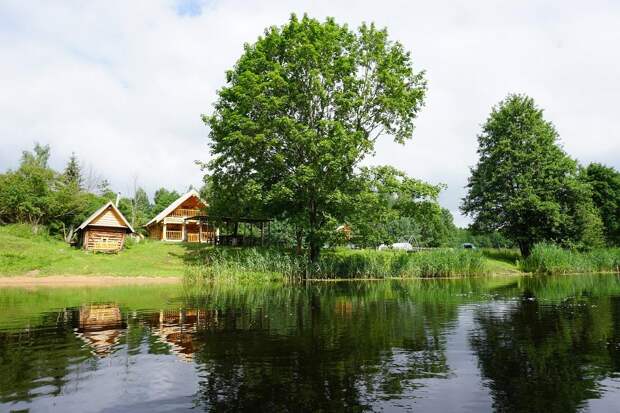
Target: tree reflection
(342, 353)
(547, 357)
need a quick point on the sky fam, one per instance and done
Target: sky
(123, 84)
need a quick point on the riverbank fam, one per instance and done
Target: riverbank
(36, 258)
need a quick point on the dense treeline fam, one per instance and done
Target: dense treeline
(59, 201)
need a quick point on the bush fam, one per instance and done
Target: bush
(26, 231)
(552, 259)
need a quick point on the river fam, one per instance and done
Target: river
(520, 344)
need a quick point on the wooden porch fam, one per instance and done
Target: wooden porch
(189, 232)
(237, 231)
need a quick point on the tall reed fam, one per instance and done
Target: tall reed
(552, 259)
(270, 264)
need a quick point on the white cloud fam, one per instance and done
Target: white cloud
(123, 84)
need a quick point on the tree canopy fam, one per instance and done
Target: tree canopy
(302, 107)
(390, 206)
(162, 199)
(605, 184)
(38, 195)
(524, 184)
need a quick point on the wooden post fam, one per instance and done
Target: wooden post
(163, 236)
(183, 231)
(200, 231)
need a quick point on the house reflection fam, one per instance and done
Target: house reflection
(178, 328)
(100, 327)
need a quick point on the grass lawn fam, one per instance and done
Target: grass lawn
(502, 261)
(22, 253)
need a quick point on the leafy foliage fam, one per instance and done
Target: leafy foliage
(389, 206)
(302, 107)
(525, 186)
(137, 209)
(162, 199)
(604, 182)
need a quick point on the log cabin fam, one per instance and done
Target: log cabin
(175, 223)
(104, 230)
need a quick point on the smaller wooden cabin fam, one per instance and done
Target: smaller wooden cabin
(105, 230)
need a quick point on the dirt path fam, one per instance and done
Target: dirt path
(81, 280)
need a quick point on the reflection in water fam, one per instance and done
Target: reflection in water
(100, 327)
(547, 358)
(505, 345)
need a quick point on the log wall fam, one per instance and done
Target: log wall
(104, 239)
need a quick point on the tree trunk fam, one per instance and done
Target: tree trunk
(315, 250)
(526, 248)
(299, 235)
(314, 244)
(69, 235)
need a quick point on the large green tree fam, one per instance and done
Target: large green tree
(302, 107)
(524, 185)
(605, 184)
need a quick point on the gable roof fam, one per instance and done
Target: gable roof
(174, 205)
(100, 211)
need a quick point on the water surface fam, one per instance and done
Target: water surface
(513, 345)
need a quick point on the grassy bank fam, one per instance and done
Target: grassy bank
(22, 252)
(25, 253)
(551, 259)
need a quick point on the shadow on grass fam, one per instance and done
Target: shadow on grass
(194, 253)
(197, 254)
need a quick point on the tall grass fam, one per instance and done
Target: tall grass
(247, 264)
(270, 264)
(551, 259)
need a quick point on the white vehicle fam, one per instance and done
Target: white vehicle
(402, 246)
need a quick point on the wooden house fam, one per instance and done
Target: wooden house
(104, 230)
(175, 223)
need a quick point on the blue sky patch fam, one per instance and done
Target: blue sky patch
(189, 7)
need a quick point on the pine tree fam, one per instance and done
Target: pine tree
(73, 172)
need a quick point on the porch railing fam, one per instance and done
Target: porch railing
(183, 212)
(193, 237)
(174, 235)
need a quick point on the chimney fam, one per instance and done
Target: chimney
(118, 198)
